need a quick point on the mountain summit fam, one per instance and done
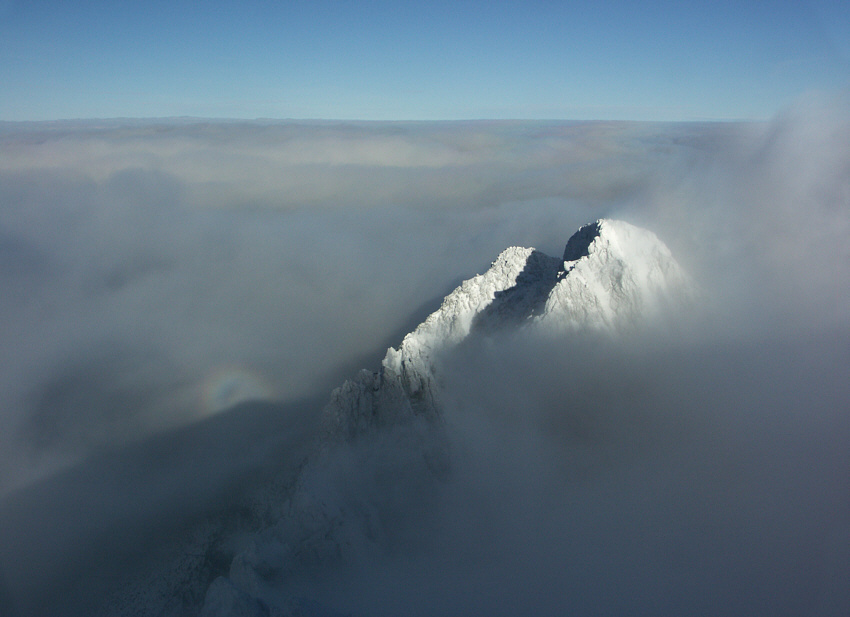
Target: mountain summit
(384, 442)
(612, 277)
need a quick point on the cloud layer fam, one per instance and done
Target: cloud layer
(155, 273)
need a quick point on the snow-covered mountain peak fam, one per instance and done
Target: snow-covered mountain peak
(612, 276)
(615, 275)
(607, 238)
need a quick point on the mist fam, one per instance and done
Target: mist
(180, 297)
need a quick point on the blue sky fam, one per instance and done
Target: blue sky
(436, 60)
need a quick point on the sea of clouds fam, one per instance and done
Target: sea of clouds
(156, 274)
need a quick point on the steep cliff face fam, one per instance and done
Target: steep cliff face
(612, 276)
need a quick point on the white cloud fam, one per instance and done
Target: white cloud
(140, 262)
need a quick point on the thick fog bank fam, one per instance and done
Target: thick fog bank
(156, 275)
(70, 541)
(600, 480)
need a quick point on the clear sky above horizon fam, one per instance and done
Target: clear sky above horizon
(418, 61)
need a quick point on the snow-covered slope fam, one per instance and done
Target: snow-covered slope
(387, 424)
(612, 276)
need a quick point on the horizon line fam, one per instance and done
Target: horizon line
(308, 120)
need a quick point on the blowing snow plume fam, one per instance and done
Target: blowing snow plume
(694, 463)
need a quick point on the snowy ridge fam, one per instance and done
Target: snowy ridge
(613, 276)
(406, 384)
